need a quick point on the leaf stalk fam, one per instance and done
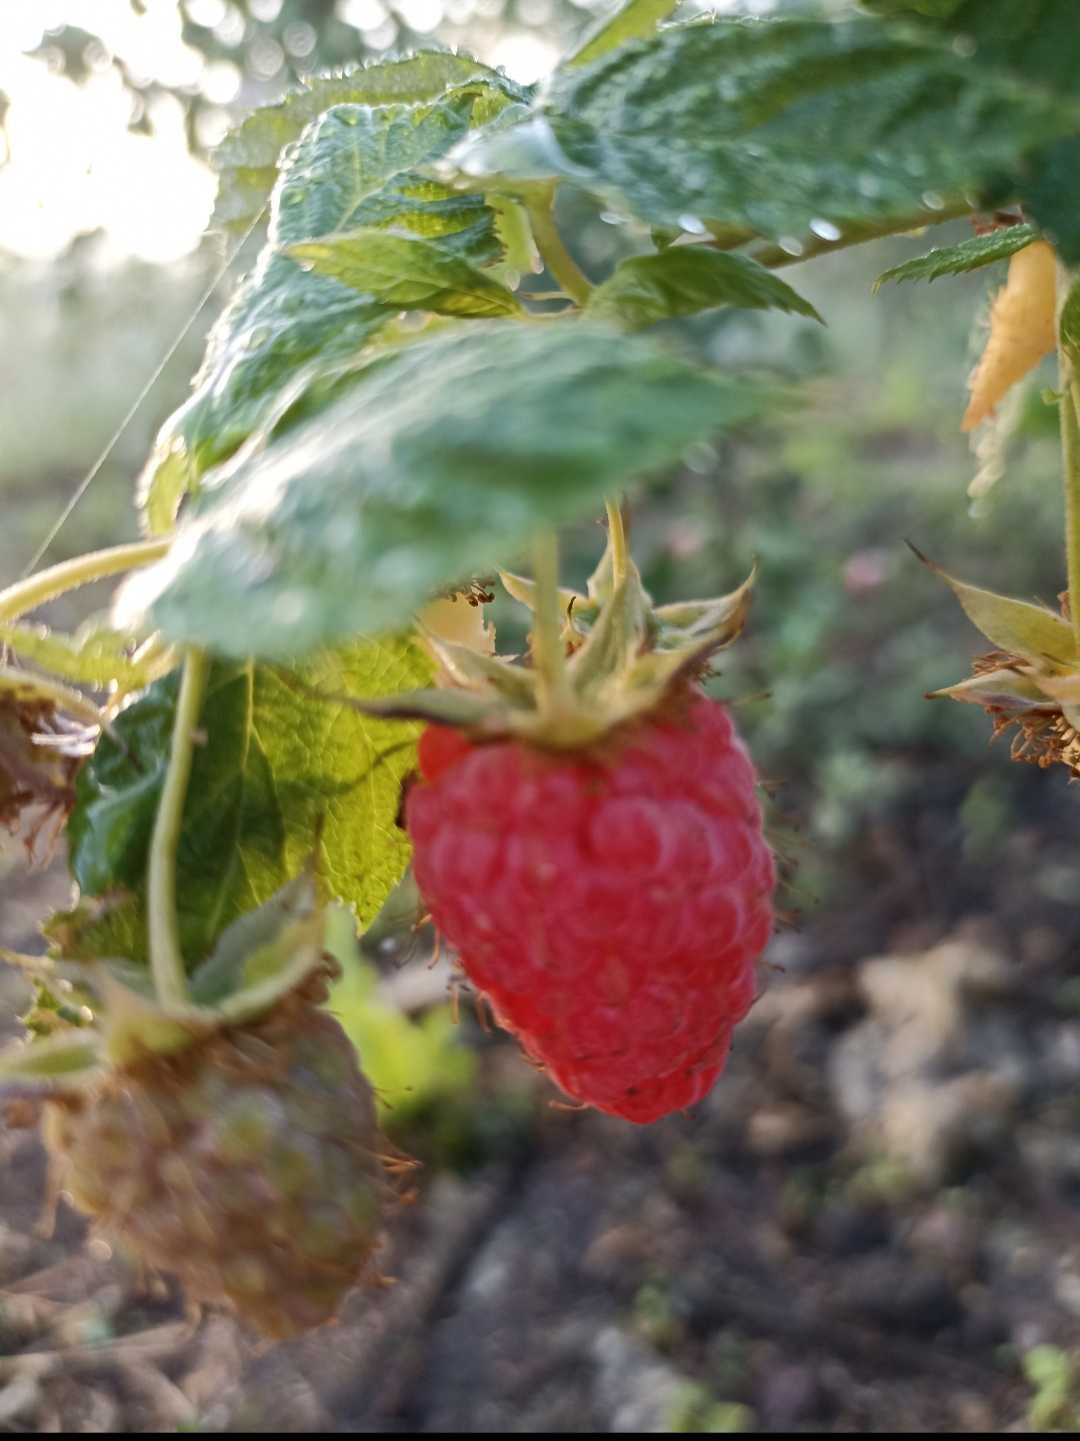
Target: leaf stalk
(166, 957)
(558, 260)
(549, 656)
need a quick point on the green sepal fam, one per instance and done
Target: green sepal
(627, 661)
(1064, 689)
(263, 954)
(67, 986)
(523, 590)
(467, 667)
(1002, 689)
(1034, 632)
(463, 709)
(68, 1060)
(621, 631)
(134, 1027)
(96, 655)
(258, 960)
(689, 624)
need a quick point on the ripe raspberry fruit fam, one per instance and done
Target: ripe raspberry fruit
(247, 1165)
(611, 904)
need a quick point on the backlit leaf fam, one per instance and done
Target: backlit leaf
(288, 771)
(439, 463)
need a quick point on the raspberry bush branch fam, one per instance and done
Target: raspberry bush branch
(35, 590)
(1070, 454)
(554, 700)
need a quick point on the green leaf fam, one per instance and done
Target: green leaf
(1050, 190)
(932, 9)
(404, 273)
(969, 254)
(247, 159)
(1035, 45)
(687, 279)
(285, 773)
(441, 463)
(1036, 40)
(286, 329)
(631, 21)
(776, 124)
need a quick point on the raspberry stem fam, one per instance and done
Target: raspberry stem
(1069, 407)
(166, 957)
(1070, 445)
(558, 260)
(549, 657)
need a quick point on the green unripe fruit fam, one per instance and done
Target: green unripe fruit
(248, 1165)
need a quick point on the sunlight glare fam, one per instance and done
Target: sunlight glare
(524, 57)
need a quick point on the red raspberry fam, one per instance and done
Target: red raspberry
(440, 746)
(611, 907)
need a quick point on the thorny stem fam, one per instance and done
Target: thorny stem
(617, 532)
(549, 658)
(166, 957)
(553, 252)
(26, 595)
